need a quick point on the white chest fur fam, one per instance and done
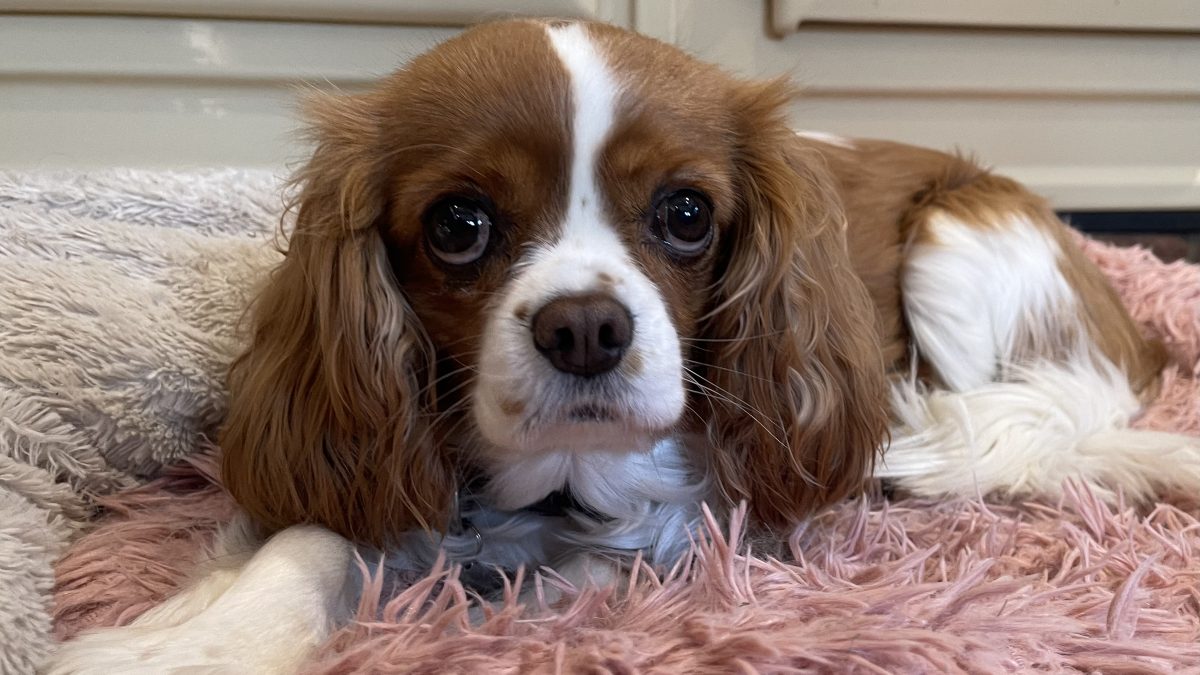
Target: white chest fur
(647, 502)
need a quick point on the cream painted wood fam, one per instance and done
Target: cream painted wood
(421, 12)
(132, 82)
(1106, 118)
(153, 125)
(173, 93)
(247, 52)
(1168, 15)
(909, 61)
(1094, 119)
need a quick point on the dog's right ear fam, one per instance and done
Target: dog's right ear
(329, 404)
(791, 343)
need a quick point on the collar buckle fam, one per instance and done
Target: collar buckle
(461, 526)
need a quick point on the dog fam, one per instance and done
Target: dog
(554, 285)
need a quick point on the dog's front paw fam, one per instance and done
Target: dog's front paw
(263, 614)
(140, 650)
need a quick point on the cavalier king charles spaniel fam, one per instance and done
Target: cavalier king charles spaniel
(554, 285)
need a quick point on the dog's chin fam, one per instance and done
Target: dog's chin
(586, 430)
(582, 427)
(612, 417)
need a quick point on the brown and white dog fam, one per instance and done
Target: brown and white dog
(553, 285)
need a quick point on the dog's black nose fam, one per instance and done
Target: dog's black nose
(583, 334)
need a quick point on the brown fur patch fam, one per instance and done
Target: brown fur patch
(512, 407)
(516, 157)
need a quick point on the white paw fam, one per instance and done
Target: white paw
(262, 615)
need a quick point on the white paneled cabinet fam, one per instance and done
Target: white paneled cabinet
(1096, 103)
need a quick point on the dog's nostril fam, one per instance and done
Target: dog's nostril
(564, 339)
(608, 337)
(583, 334)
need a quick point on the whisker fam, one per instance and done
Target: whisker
(457, 388)
(734, 339)
(461, 339)
(458, 406)
(463, 419)
(710, 394)
(716, 387)
(457, 371)
(699, 364)
(753, 413)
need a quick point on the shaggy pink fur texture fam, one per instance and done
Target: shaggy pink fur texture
(873, 586)
(143, 549)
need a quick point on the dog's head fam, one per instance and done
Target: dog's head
(552, 237)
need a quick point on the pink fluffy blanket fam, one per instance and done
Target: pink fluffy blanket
(873, 586)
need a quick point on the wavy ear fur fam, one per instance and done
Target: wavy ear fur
(329, 403)
(799, 411)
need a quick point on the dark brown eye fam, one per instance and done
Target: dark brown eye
(683, 220)
(457, 229)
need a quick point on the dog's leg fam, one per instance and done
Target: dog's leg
(978, 283)
(992, 278)
(264, 614)
(1040, 366)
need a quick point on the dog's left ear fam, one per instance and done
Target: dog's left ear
(798, 411)
(330, 404)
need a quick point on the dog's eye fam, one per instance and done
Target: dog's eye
(684, 221)
(457, 229)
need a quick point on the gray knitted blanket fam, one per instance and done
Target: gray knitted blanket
(120, 292)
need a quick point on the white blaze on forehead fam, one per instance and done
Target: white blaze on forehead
(593, 99)
(587, 254)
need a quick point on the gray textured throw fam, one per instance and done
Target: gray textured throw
(120, 292)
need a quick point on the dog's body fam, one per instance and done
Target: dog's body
(554, 333)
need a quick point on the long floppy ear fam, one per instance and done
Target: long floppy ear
(798, 411)
(329, 404)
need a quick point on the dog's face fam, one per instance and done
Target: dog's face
(556, 228)
(549, 237)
